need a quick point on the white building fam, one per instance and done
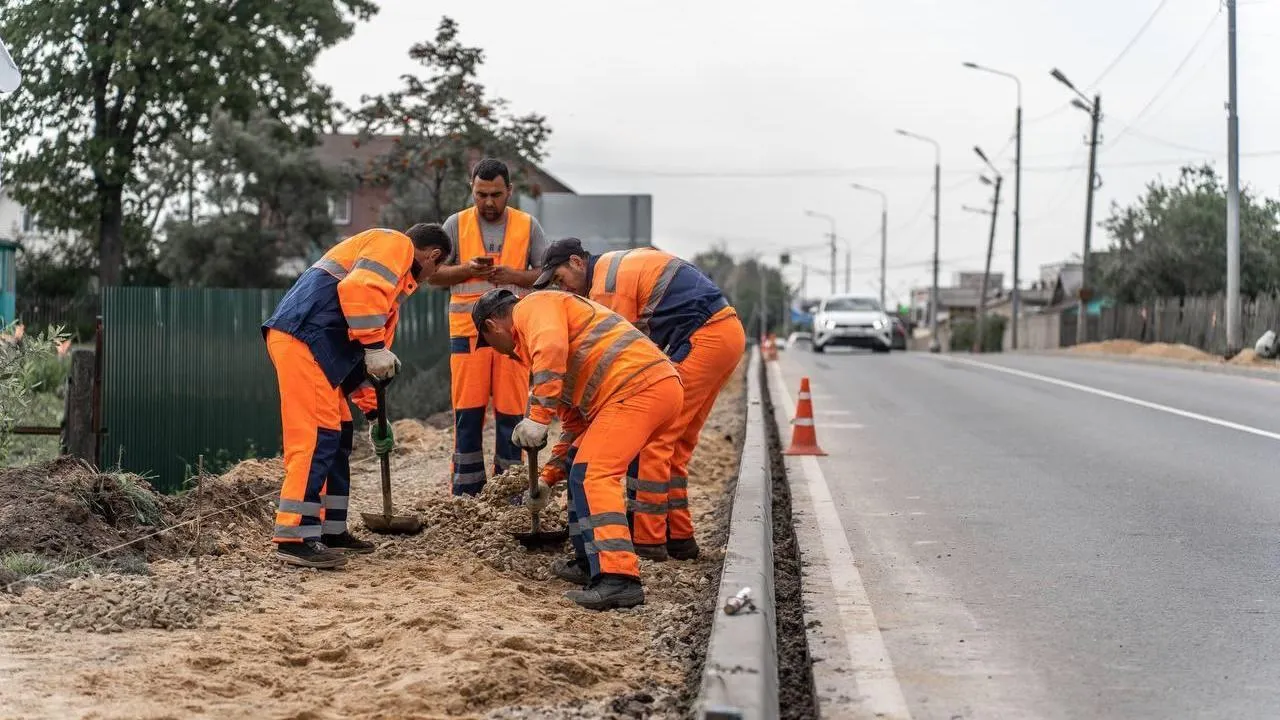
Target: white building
(17, 223)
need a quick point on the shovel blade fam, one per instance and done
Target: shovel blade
(392, 524)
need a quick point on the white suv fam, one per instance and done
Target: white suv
(852, 321)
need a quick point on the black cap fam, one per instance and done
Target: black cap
(557, 254)
(488, 304)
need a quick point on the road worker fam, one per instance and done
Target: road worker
(686, 315)
(495, 246)
(626, 392)
(329, 338)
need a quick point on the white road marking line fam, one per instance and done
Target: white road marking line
(833, 412)
(842, 426)
(913, 497)
(1117, 396)
(925, 542)
(872, 668)
(919, 513)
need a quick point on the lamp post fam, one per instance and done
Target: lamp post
(991, 243)
(1094, 108)
(884, 233)
(934, 345)
(831, 220)
(1017, 198)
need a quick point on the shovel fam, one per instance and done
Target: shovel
(386, 523)
(537, 537)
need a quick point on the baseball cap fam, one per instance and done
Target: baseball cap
(488, 304)
(557, 254)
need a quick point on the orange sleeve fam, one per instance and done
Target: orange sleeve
(368, 292)
(544, 330)
(572, 425)
(365, 398)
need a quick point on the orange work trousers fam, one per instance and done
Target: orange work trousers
(318, 434)
(659, 489)
(596, 490)
(478, 375)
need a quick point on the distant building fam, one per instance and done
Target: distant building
(20, 225)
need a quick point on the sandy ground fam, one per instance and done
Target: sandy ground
(458, 622)
(1186, 353)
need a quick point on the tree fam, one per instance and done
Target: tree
(112, 86)
(1171, 242)
(442, 122)
(740, 282)
(266, 199)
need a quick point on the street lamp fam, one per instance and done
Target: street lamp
(884, 233)
(980, 335)
(1017, 196)
(828, 218)
(934, 345)
(1094, 109)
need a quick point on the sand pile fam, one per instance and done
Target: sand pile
(1249, 358)
(1107, 347)
(1176, 352)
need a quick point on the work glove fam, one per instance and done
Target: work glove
(382, 444)
(538, 500)
(381, 363)
(530, 434)
(553, 473)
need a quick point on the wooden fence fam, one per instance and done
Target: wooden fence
(1196, 321)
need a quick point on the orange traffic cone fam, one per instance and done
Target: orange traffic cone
(804, 438)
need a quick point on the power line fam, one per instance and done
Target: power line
(1134, 41)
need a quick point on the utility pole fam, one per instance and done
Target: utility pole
(1235, 340)
(986, 273)
(832, 221)
(934, 344)
(764, 301)
(884, 234)
(848, 269)
(1082, 315)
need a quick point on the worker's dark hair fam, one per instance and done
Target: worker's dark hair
(490, 169)
(430, 235)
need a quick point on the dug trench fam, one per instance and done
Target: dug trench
(457, 622)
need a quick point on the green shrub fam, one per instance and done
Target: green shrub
(48, 373)
(962, 332)
(24, 368)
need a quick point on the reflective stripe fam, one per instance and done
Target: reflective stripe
(473, 287)
(471, 478)
(545, 376)
(620, 545)
(679, 483)
(601, 519)
(335, 502)
(649, 486)
(605, 363)
(678, 503)
(468, 458)
(574, 530)
(541, 401)
(611, 279)
(376, 267)
(584, 349)
(402, 297)
(297, 531)
(462, 307)
(648, 508)
(804, 396)
(803, 422)
(505, 463)
(333, 527)
(659, 291)
(331, 266)
(366, 322)
(299, 507)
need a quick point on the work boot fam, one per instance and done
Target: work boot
(656, 553)
(347, 542)
(683, 549)
(310, 553)
(571, 569)
(609, 592)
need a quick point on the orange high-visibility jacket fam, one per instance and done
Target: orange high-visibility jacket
(581, 354)
(347, 301)
(515, 255)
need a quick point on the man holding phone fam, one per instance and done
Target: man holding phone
(494, 247)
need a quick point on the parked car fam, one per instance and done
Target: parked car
(899, 334)
(852, 321)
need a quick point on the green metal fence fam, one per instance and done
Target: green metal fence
(186, 373)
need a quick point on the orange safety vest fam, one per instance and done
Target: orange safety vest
(514, 254)
(581, 354)
(632, 282)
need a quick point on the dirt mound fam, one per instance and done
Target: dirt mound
(1175, 352)
(1249, 358)
(65, 510)
(236, 508)
(1108, 347)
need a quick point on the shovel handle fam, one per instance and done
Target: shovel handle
(531, 454)
(380, 391)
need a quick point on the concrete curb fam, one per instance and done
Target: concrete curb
(1216, 369)
(740, 676)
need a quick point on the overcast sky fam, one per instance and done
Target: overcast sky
(739, 116)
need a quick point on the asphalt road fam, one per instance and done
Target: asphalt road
(1033, 549)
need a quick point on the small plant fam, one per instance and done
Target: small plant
(23, 565)
(24, 369)
(137, 491)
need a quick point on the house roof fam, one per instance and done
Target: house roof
(339, 148)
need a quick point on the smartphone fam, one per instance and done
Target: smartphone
(485, 260)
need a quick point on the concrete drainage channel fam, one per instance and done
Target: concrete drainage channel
(757, 663)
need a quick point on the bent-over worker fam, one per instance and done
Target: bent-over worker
(686, 315)
(582, 354)
(329, 336)
(495, 246)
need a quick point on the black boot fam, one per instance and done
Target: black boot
(657, 553)
(683, 549)
(347, 542)
(609, 592)
(571, 569)
(310, 553)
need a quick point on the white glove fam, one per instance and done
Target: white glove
(529, 434)
(381, 363)
(536, 502)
